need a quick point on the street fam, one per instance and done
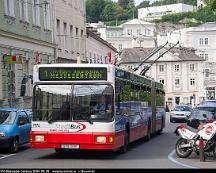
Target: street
(157, 153)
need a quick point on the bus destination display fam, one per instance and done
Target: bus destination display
(73, 73)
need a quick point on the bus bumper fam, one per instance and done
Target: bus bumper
(84, 141)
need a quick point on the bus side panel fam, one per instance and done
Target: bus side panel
(138, 132)
(119, 139)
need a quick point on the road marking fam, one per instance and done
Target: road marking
(171, 158)
(5, 156)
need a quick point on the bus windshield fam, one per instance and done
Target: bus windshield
(73, 103)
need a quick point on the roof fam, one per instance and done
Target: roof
(209, 26)
(186, 54)
(135, 55)
(98, 38)
(137, 22)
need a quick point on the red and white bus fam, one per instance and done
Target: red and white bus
(64, 98)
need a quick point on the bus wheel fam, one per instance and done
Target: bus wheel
(161, 130)
(124, 148)
(148, 136)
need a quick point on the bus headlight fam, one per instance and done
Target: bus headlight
(101, 139)
(39, 138)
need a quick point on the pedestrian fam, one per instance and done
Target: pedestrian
(167, 107)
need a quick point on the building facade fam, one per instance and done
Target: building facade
(70, 33)
(25, 39)
(152, 13)
(98, 50)
(134, 33)
(178, 70)
(203, 39)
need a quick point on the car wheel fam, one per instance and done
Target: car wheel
(14, 146)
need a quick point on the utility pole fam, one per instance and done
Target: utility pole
(11, 85)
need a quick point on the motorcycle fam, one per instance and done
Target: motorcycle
(190, 137)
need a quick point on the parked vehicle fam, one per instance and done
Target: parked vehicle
(15, 126)
(208, 103)
(190, 137)
(203, 115)
(180, 113)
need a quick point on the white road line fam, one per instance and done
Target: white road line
(170, 157)
(5, 156)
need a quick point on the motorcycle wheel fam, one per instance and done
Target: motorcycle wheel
(182, 152)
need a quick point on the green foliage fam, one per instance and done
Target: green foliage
(125, 95)
(201, 16)
(212, 5)
(113, 11)
(160, 100)
(144, 4)
(123, 3)
(107, 10)
(144, 96)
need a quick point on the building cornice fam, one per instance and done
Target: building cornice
(26, 39)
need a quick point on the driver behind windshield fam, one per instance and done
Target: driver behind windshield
(102, 105)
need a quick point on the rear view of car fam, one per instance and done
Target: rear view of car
(203, 115)
(209, 105)
(15, 126)
(180, 113)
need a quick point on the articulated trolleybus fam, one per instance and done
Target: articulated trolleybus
(66, 114)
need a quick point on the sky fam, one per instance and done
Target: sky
(137, 2)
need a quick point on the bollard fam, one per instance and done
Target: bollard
(201, 147)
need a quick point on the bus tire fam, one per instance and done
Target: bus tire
(148, 136)
(124, 148)
(161, 130)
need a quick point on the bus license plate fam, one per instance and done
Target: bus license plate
(70, 146)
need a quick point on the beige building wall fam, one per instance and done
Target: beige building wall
(70, 31)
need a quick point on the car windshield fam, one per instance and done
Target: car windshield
(7, 117)
(181, 108)
(72, 103)
(201, 114)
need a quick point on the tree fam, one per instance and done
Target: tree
(131, 9)
(123, 3)
(144, 4)
(94, 9)
(212, 5)
(113, 11)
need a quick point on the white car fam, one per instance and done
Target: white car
(180, 113)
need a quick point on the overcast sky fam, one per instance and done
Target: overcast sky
(137, 2)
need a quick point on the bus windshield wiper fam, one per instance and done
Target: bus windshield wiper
(87, 119)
